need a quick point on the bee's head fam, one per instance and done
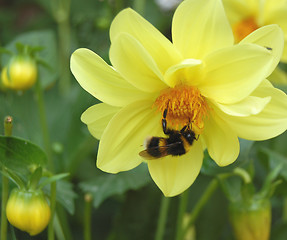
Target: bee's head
(189, 135)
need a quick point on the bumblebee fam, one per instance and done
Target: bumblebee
(175, 144)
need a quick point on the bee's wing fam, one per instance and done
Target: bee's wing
(163, 150)
(147, 156)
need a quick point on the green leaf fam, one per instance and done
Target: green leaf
(53, 179)
(13, 177)
(276, 159)
(104, 186)
(231, 188)
(34, 178)
(19, 155)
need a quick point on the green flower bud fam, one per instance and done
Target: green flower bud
(251, 221)
(20, 74)
(28, 211)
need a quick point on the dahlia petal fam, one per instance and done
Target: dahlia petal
(97, 118)
(232, 73)
(269, 123)
(157, 45)
(248, 106)
(101, 80)
(221, 141)
(183, 73)
(123, 137)
(173, 175)
(278, 16)
(135, 64)
(236, 11)
(270, 37)
(198, 28)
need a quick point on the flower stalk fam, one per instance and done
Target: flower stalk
(51, 235)
(87, 216)
(164, 206)
(43, 122)
(8, 125)
(181, 212)
(61, 13)
(200, 204)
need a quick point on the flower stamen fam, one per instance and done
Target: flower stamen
(184, 105)
(244, 28)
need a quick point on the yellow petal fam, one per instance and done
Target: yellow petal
(232, 73)
(173, 175)
(101, 80)
(97, 118)
(269, 123)
(221, 141)
(278, 16)
(270, 36)
(156, 44)
(248, 106)
(183, 73)
(123, 138)
(236, 10)
(135, 64)
(199, 28)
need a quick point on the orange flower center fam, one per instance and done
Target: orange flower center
(244, 27)
(184, 105)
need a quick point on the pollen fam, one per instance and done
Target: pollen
(185, 105)
(244, 27)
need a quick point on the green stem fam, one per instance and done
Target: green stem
(61, 225)
(162, 218)
(64, 55)
(5, 192)
(199, 205)
(43, 122)
(58, 228)
(8, 125)
(284, 212)
(87, 217)
(53, 209)
(181, 212)
(61, 14)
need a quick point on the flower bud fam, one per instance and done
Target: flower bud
(251, 221)
(28, 211)
(20, 74)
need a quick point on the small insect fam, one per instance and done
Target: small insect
(268, 48)
(177, 143)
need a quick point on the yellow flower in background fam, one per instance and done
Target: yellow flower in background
(246, 16)
(20, 74)
(28, 210)
(200, 79)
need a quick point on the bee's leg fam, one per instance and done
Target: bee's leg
(187, 126)
(164, 122)
(184, 128)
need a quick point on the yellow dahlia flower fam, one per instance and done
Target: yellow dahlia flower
(246, 16)
(20, 74)
(28, 210)
(200, 77)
